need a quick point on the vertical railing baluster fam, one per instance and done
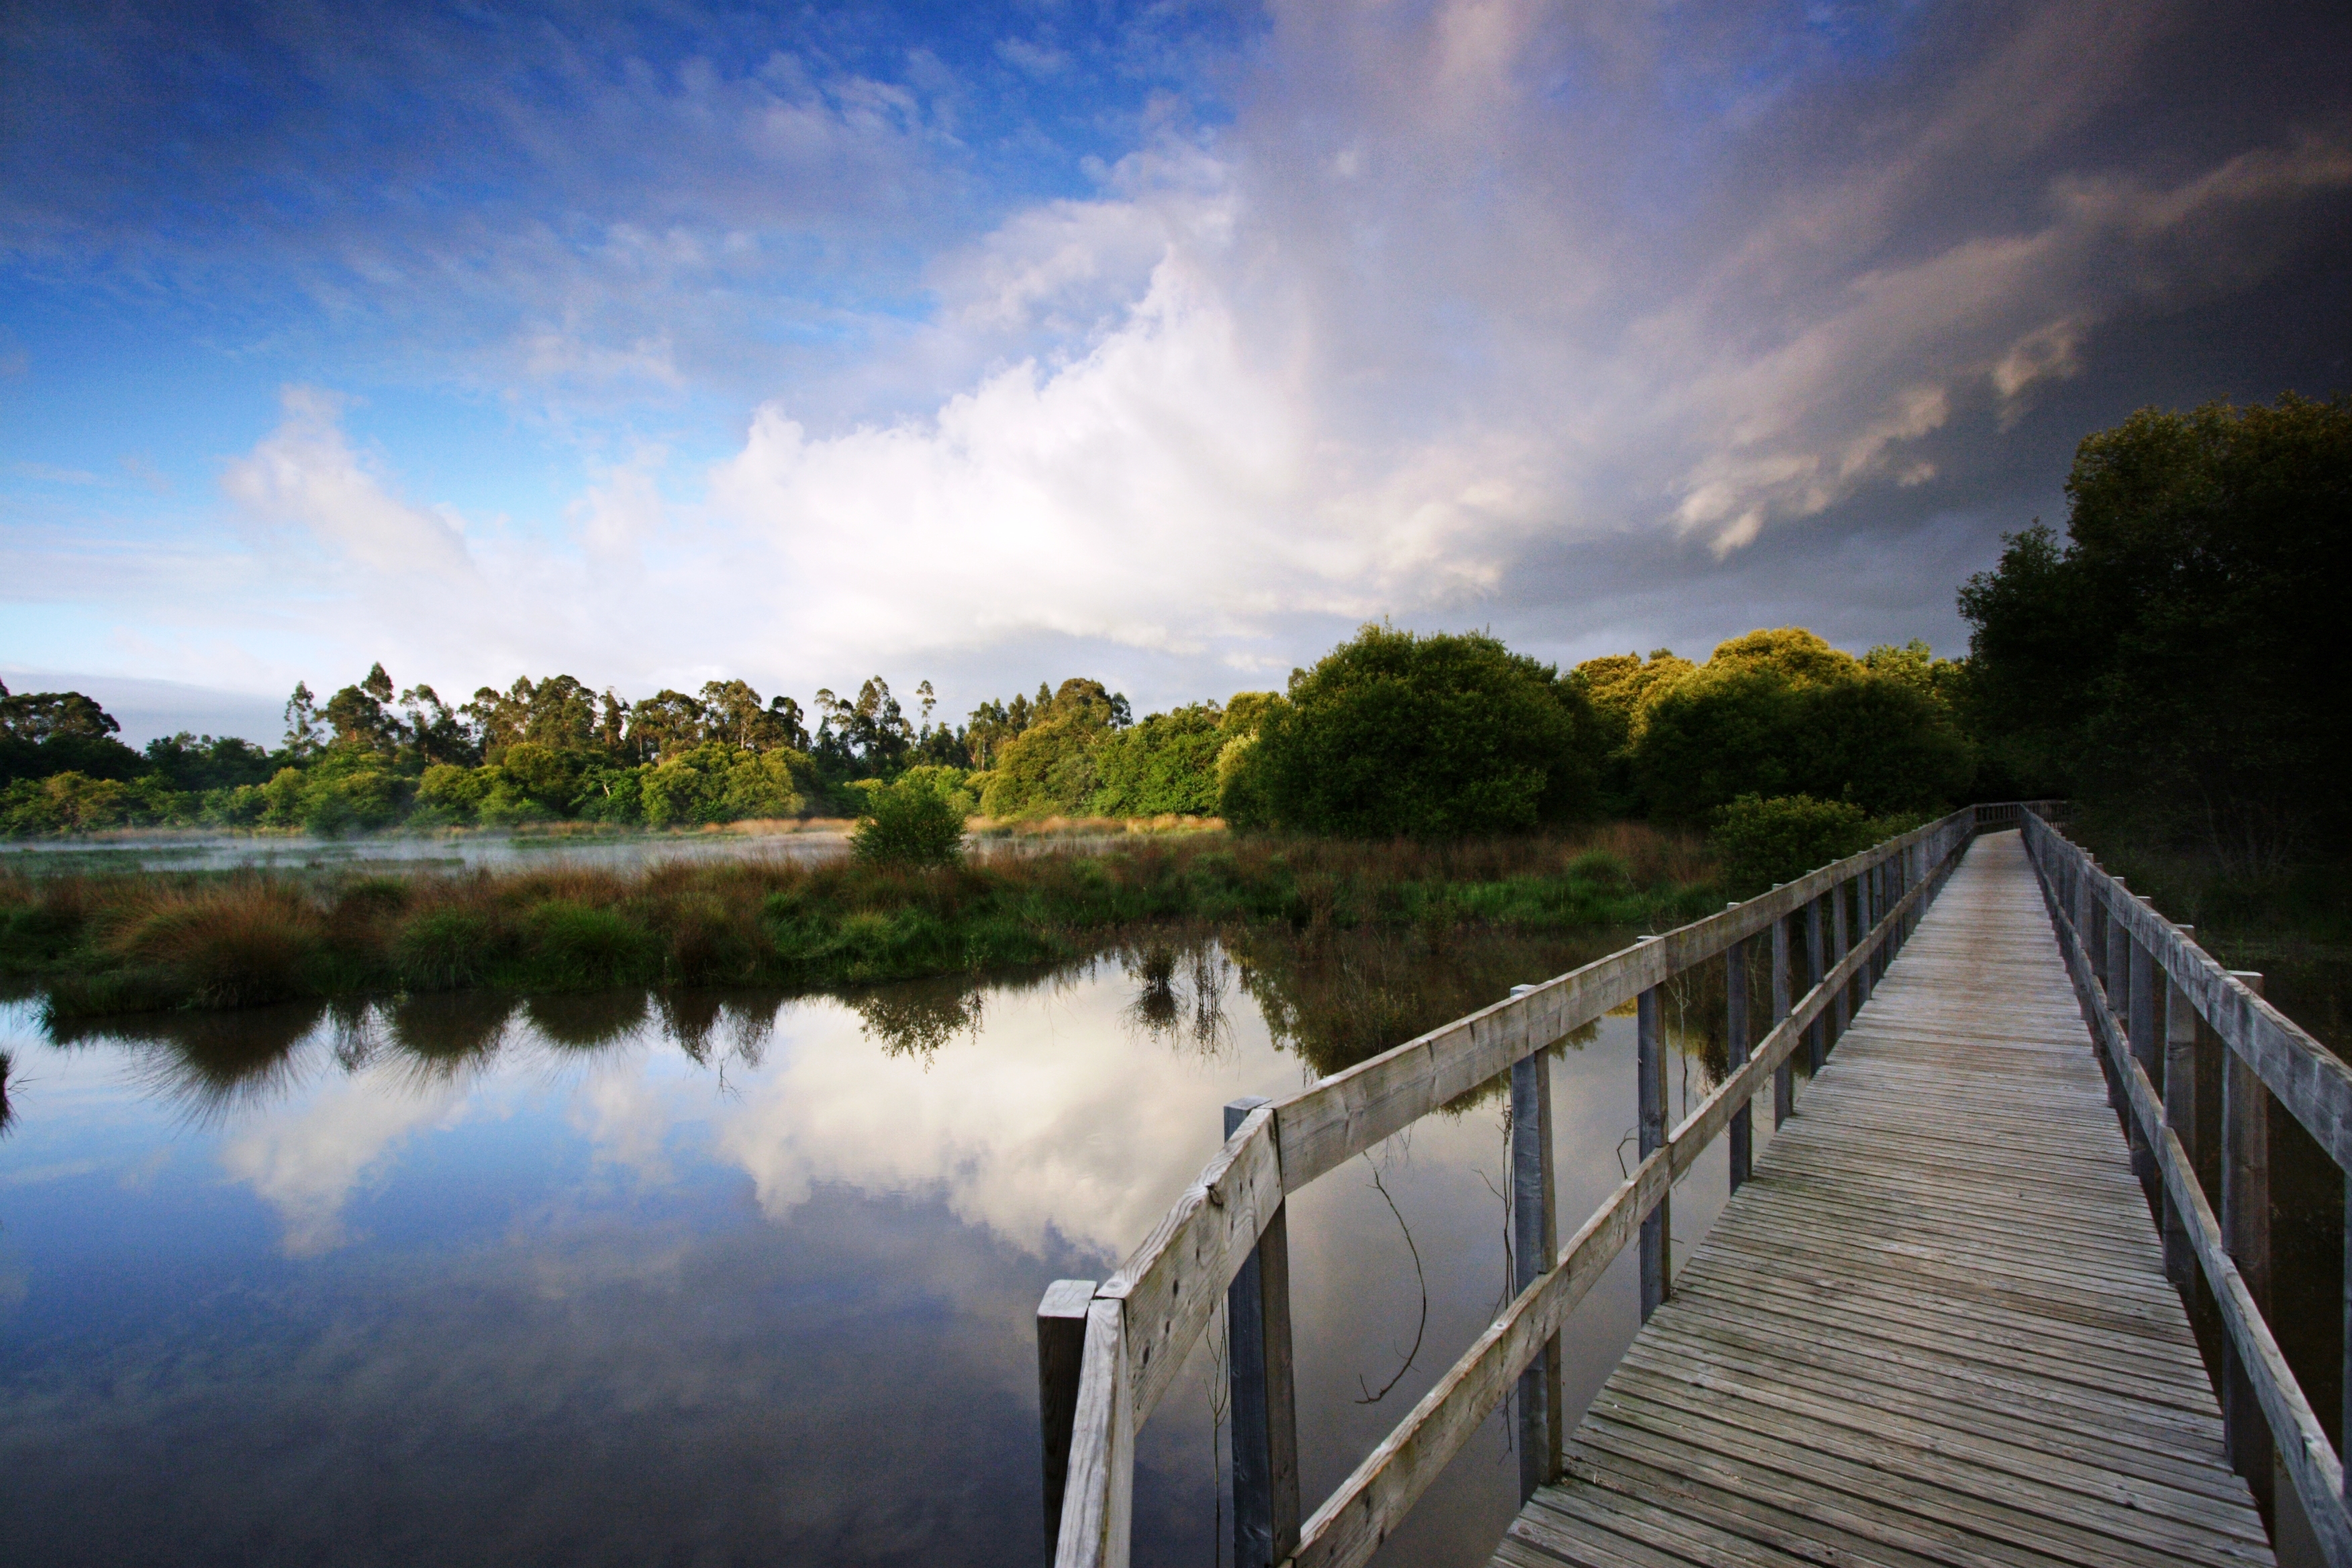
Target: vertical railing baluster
(1784, 1080)
(1840, 1015)
(2246, 1232)
(1736, 1026)
(2181, 1116)
(1061, 1345)
(1534, 1248)
(1816, 1033)
(1657, 1230)
(1258, 1377)
(1877, 966)
(2140, 995)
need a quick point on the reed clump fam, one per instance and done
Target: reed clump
(107, 943)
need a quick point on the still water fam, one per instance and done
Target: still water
(460, 850)
(704, 1279)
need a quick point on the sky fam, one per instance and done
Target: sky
(1165, 343)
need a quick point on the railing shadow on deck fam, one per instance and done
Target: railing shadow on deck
(1107, 1351)
(2144, 985)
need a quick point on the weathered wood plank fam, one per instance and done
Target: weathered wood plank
(1098, 1504)
(1171, 1285)
(1061, 1355)
(1934, 1326)
(1353, 1520)
(1330, 1124)
(2308, 1079)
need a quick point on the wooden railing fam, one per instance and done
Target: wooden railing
(1107, 1352)
(2120, 953)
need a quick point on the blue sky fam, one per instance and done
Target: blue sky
(654, 343)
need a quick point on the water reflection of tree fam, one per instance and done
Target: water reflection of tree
(702, 1021)
(211, 1063)
(1336, 997)
(585, 1020)
(443, 1032)
(1180, 996)
(916, 1017)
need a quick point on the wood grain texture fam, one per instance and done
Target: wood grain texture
(2308, 1079)
(1934, 1326)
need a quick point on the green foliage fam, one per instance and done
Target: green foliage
(1427, 736)
(211, 940)
(1784, 713)
(576, 947)
(444, 950)
(1167, 765)
(1047, 769)
(909, 822)
(2177, 661)
(1762, 842)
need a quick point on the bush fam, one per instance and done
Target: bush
(1761, 842)
(576, 946)
(909, 823)
(1429, 737)
(443, 950)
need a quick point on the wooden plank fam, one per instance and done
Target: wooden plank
(1932, 1327)
(2301, 1442)
(1324, 1126)
(1060, 1350)
(1650, 1106)
(1098, 1505)
(1534, 1245)
(1263, 1405)
(1353, 1520)
(1171, 1285)
(2314, 1085)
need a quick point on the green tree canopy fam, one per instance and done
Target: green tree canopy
(1393, 733)
(1782, 713)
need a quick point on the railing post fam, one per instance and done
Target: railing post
(2116, 975)
(1061, 1346)
(1258, 1375)
(1657, 1229)
(2180, 1115)
(1816, 1041)
(1534, 1248)
(2246, 1232)
(2140, 990)
(1784, 1080)
(1735, 1043)
(1839, 941)
(1876, 897)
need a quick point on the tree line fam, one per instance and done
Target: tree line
(2172, 662)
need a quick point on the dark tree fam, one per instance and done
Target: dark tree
(2178, 660)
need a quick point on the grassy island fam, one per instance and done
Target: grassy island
(109, 943)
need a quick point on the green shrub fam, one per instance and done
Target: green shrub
(1760, 842)
(444, 950)
(909, 824)
(572, 944)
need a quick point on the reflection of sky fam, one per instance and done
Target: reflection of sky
(586, 1305)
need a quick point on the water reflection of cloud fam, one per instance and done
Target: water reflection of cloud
(1018, 1132)
(626, 1116)
(306, 1159)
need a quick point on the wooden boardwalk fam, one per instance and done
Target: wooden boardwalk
(1934, 1328)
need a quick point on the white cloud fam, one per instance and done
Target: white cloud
(305, 475)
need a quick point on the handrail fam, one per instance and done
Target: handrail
(2265, 1404)
(1148, 1315)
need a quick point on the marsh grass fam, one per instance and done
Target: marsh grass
(100, 944)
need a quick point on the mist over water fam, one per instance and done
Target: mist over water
(715, 1277)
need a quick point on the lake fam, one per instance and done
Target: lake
(716, 1277)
